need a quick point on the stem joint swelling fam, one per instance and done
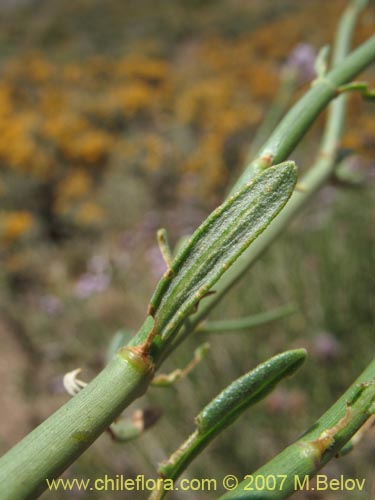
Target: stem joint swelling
(326, 439)
(138, 358)
(318, 446)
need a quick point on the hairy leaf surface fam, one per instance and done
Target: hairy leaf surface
(217, 243)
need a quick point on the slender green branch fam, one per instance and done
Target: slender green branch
(247, 322)
(58, 441)
(316, 447)
(169, 379)
(50, 448)
(358, 436)
(317, 175)
(299, 119)
(362, 87)
(227, 406)
(278, 107)
(215, 245)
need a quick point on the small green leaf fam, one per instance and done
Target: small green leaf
(321, 62)
(164, 246)
(217, 243)
(247, 390)
(300, 461)
(227, 406)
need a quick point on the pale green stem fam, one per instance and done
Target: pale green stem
(312, 181)
(295, 465)
(57, 442)
(247, 322)
(50, 448)
(273, 116)
(299, 119)
(223, 410)
(363, 88)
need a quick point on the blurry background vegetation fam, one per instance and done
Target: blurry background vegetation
(118, 118)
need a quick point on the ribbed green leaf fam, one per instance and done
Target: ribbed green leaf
(227, 406)
(217, 243)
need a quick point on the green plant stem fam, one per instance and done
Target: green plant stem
(57, 442)
(278, 107)
(299, 119)
(226, 407)
(50, 448)
(362, 87)
(312, 181)
(247, 322)
(318, 445)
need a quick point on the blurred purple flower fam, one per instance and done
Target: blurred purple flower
(301, 61)
(96, 279)
(88, 284)
(56, 385)
(326, 347)
(286, 401)
(50, 304)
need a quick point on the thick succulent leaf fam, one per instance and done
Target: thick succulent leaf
(247, 390)
(217, 243)
(227, 406)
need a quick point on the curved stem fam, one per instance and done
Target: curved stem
(295, 465)
(50, 448)
(58, 441)
(312, 180)
(226, 407)
(299, 119)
